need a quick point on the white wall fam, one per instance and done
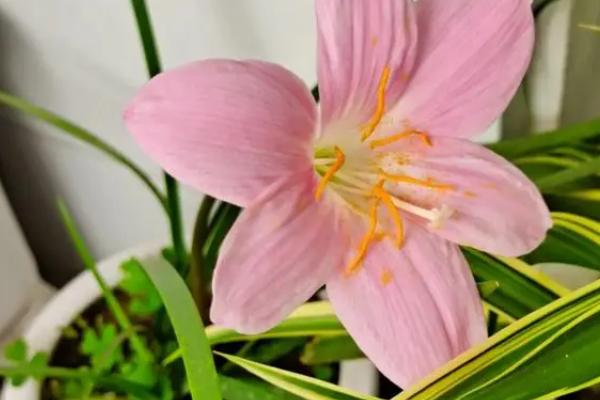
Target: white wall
(82, 59)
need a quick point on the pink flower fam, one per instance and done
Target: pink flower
(372, 195)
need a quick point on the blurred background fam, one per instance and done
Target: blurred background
(83, 60)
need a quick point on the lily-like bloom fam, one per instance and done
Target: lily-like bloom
(370, 192)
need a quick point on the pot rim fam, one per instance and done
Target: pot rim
(45, 329)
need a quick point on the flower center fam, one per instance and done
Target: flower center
(378, 184)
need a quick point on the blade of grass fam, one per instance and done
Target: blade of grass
(85, 136)
(528, 145)
(202, 377)
(582, 170)
(121, 317)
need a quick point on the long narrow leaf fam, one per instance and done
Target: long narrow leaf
(252, 389)
(531, 144)
(199, 365)
(521, 289)
(311, 319)
(569, 175)
(582, 202)
(300, 385)
(573, 240)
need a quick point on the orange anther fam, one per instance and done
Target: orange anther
(429, 183)
(399, 136)
(380, 110)
(394, 213)
(369, 237)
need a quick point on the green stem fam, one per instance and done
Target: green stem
(199, 276)
(113, 304)
(83, 135)
(175, 221)
(144, 25)
(108, 382)
(224, 218)
(153, 65)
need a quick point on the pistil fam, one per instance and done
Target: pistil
(340, 159)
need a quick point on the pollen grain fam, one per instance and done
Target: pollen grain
(386, 277)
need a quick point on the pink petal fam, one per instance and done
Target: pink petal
(357, 40)
(227, 128)
(497, 209)
(279, 253)
(410, 310)
(472, 56)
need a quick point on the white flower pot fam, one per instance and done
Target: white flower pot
(45, 330)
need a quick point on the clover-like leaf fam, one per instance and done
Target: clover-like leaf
(103, 347)
(144, 298)
(16, 351)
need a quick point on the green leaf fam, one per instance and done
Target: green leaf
(251, 389)
(581, 202)
(575, 173)
(83, 135)
(300, 385)
(145, 300)
(486, 289)
(522, 289)
(324, 350)
(38, 362)
(225, 215)
(530, 144)
(16, 351)
(140, 372)
(269, 351)
(195, 349)
(573, 240)
(546, 354)
(310, 319)
(103, 348)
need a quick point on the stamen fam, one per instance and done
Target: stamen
(340, 158)
(429, 183)
(399, 136)
(395, 214)
(376, 119)
(369, 237)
